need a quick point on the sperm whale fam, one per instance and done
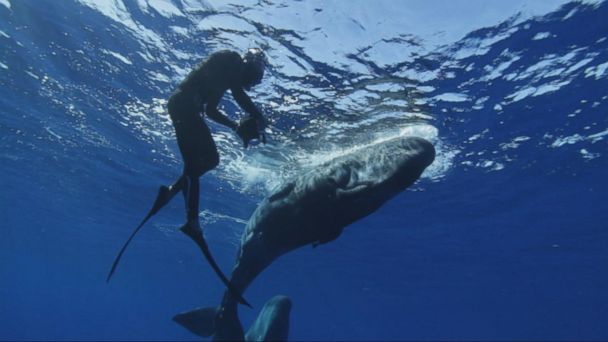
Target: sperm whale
(312, 209)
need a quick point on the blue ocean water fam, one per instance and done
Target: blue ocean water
(503, 238)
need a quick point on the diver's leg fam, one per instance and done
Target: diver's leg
(191, 190)
(202, 156)
(193, 198)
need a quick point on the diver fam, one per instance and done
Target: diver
(199, 94)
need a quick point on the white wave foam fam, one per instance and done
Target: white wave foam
(164, 7)
(576, 138)
(542, 35)
(589, 155)
(496, 72)
(117, 56)
(597, 71)
(451, 97)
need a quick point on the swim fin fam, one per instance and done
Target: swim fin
(163, 197)
(197, 236)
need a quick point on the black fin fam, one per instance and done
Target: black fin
(197, 236)
(163, 197)
(199, 321)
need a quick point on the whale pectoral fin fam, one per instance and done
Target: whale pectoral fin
(345, 193)
(198, 321)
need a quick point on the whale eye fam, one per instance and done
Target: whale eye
(342, 176)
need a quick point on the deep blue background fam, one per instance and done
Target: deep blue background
(515, 253)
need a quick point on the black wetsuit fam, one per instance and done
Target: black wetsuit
(197, 95)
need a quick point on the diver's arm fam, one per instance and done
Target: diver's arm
(245, 102)
(217, 116)
(251, 127)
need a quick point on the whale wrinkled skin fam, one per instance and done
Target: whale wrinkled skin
(314, 208)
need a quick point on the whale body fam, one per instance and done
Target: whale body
(312, 209)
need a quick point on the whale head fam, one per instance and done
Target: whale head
(368, 177)
(393, 164)
(317, 205)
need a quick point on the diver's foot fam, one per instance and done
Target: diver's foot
(163, 197)
(193, 229)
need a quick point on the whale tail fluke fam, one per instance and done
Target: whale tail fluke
(200, 321)
(272, 323)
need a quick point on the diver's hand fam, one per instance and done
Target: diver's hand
(249, 128)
